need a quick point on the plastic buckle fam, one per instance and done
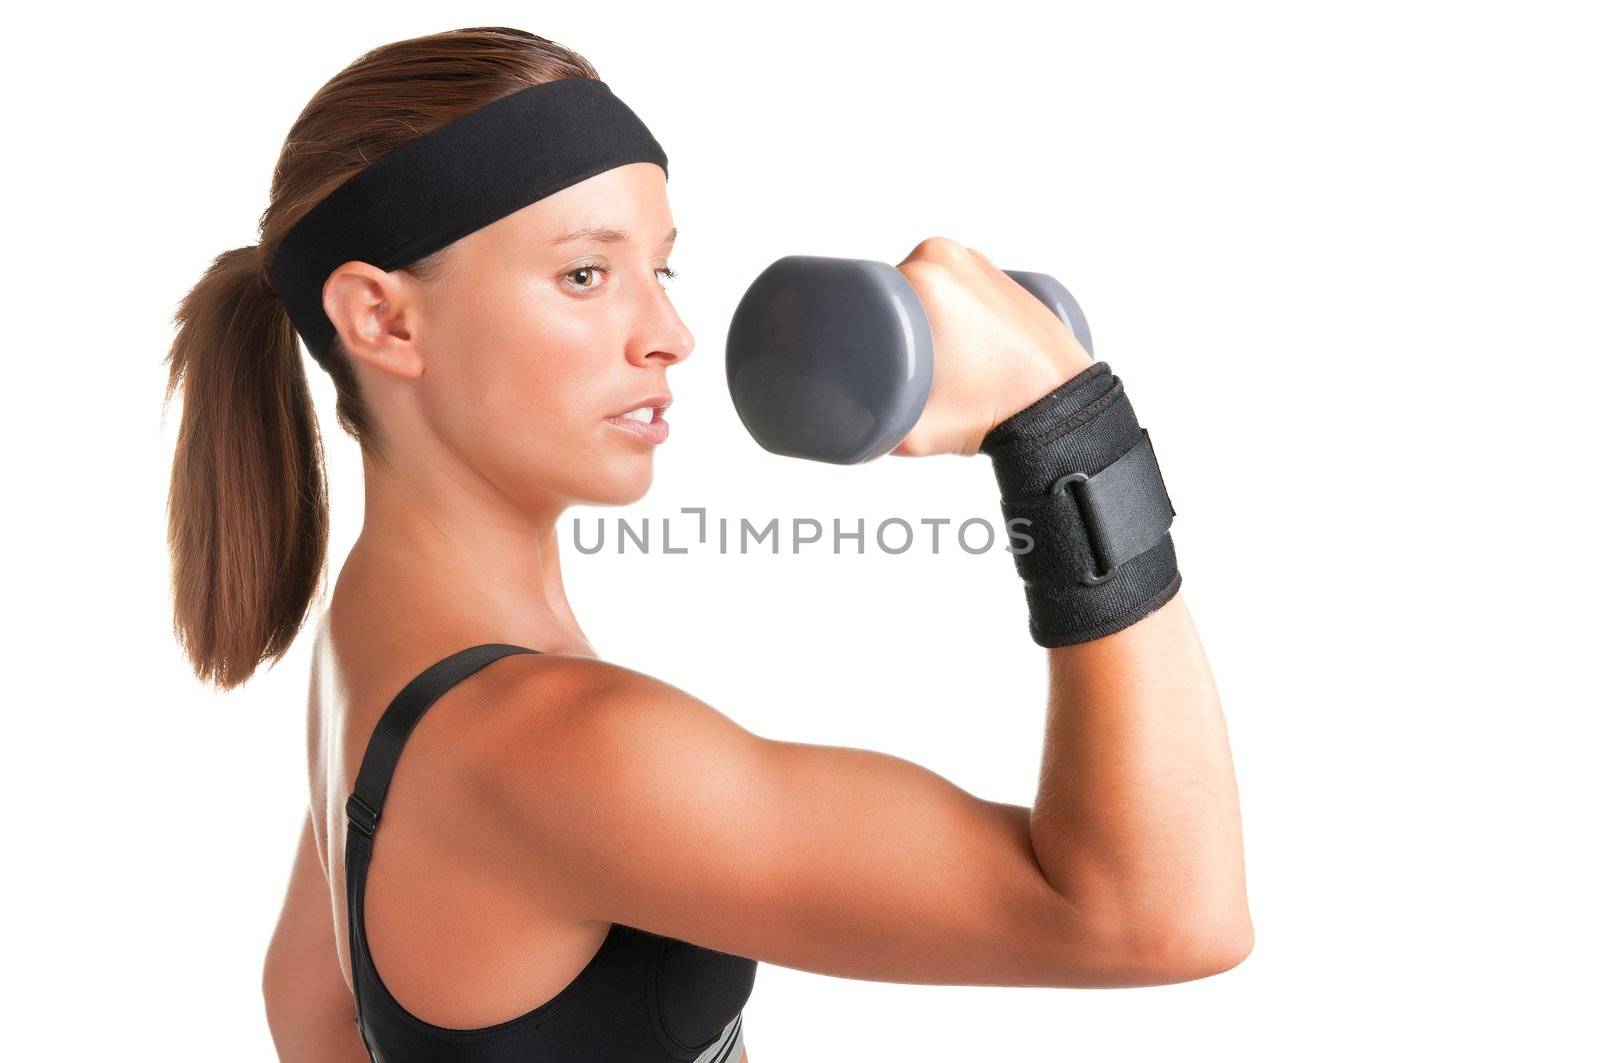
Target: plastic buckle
(363, 817)
(1060, 488)
(1124, 506)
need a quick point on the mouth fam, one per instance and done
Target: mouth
(646, 420)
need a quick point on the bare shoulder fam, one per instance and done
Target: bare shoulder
(536, 693)
(572, 713)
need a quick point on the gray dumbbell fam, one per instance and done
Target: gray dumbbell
(831, 358)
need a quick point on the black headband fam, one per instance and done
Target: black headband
(469, 172)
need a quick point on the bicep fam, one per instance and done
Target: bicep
(653, 809)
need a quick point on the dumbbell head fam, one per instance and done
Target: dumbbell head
(1054, 294)
(831, 359)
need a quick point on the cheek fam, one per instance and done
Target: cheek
(528, 364)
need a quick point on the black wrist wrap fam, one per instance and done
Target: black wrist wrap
(1078, 470)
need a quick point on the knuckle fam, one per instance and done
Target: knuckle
(926, 275)
(938, 249)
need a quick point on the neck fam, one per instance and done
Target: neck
(471, 554)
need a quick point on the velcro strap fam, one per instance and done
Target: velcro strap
(1125, 505)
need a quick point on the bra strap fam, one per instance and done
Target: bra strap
(365, 803)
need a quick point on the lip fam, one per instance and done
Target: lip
(655, 430)
(660, 402)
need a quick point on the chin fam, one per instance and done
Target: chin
(622, 487)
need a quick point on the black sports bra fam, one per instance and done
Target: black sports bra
(643, 998)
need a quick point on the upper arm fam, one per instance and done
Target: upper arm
(645, 806)
(310, 1010)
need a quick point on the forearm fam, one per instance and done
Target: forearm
(1136, 821)
(1135, 824)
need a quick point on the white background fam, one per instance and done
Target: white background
(1344, 258)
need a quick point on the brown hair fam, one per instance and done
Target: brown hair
(247, 512)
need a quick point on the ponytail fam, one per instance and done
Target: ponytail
(247, 511)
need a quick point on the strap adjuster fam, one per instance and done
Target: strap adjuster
(363, 817)
(1125, 507)
(1060, 488)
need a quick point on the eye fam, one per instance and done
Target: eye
(581, 271)
(586, 270)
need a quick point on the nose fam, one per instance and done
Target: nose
(661, 337)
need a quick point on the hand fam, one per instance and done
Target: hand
(996, 347)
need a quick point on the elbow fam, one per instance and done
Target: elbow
(1158, 930)
(282, 997)
(1146, 950)
(309, 1010)
(274, 994)
(1205, 953)
(300, 1026)
(1184, 950)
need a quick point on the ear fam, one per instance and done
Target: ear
(372, 310)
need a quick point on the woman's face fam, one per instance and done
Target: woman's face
(546, 323)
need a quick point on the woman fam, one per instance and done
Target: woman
(577, 861)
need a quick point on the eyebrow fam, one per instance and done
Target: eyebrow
(606, 236)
